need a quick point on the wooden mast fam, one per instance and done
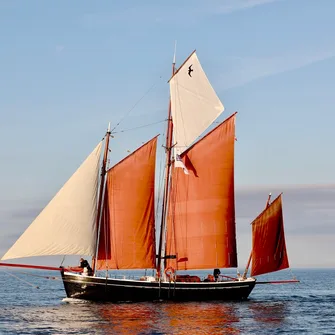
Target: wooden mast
(100, 201)
(250, 257)
(168, 146)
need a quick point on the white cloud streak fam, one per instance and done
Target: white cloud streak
(59, 48)
(229, 6)
(174, 13)
(243, 70)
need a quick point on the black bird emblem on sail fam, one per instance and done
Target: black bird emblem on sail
(190, 70)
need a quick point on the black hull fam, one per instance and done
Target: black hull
(123, 290)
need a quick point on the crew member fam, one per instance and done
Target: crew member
(216, 274)
(86, 267)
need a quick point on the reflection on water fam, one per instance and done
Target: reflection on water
(127, 318)
(168, 318)
(269, 312)
(212, 317)
(141, 318)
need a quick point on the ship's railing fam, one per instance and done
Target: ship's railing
(126, 276)
(151, 277)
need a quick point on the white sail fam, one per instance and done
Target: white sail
(67, 224)
(194, 103)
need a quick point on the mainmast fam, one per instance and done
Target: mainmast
(100, 201)
(168, 147)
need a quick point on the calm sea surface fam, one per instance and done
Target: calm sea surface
(304, 308)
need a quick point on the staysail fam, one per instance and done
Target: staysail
(194, 103)
(127, 235)
(66, 226)
(201, 216)
(268, 240)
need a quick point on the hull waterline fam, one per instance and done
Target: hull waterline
(127, 290)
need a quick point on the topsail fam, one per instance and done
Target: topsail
(194, 103)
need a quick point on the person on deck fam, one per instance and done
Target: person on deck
(216, 274)
(86, 267)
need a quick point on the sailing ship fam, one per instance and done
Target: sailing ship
(109, 214)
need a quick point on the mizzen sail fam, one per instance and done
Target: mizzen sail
(66, 226)
(127, 235)
(201, 216)
(194, 103)
(268, 240)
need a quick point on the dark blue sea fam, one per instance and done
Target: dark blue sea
(304, 308)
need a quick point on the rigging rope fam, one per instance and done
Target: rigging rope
(146, 125)
(18, 278)
(61, 264)
(138, 101)
(39, 276)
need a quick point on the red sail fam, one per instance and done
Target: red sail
(127, 235)
(201, 217)
(268, 240)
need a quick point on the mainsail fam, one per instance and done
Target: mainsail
(268, 240)
(194, 103)
(201, 217)
(66, 226)
(127, 236)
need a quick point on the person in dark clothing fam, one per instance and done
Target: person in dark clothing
(216, 274)
(84, 264)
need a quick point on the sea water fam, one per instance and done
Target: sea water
(304, 308)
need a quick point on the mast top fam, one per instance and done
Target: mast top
(175, 50)
(109, 127)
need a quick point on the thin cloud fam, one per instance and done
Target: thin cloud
(244, 70)
(166, 14)
(307, 209)
(59, 48)
(230, 6)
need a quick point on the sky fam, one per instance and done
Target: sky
(69, 68)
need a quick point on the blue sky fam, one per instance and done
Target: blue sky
(68, 68)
